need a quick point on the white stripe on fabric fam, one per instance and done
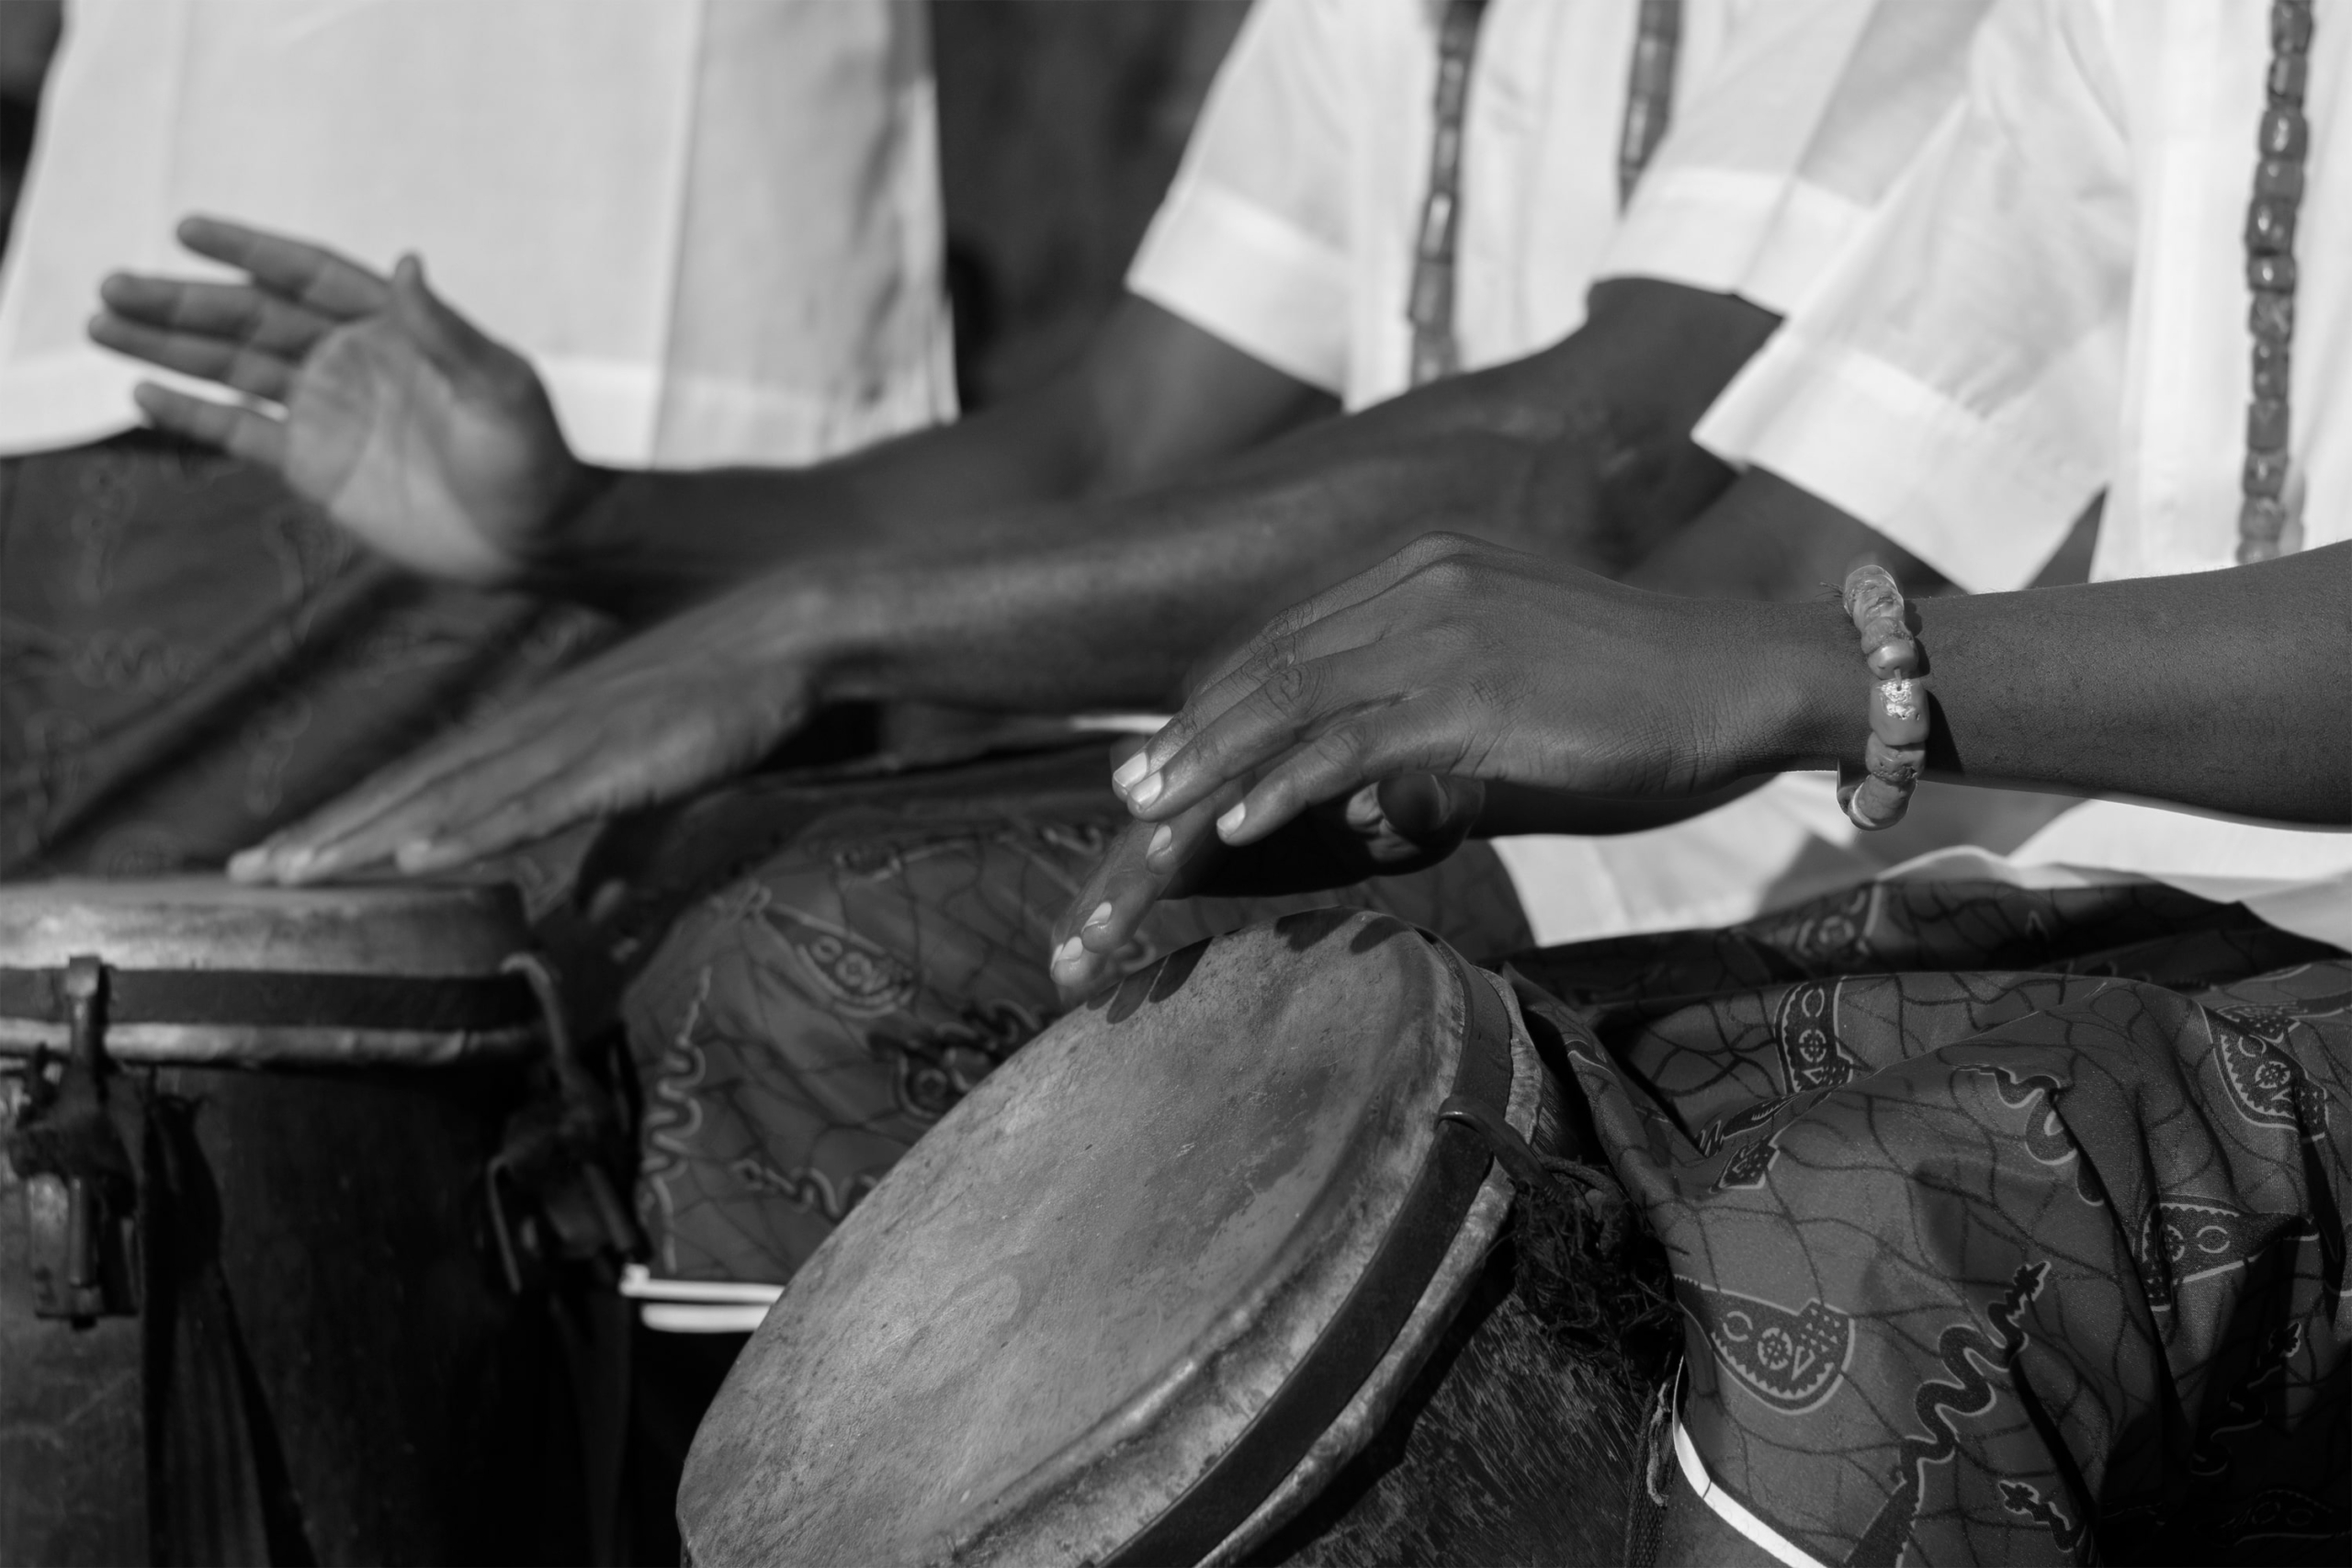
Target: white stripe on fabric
(1727, 1508)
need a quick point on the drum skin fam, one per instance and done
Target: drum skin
(1061, 1308)
(404, 1406)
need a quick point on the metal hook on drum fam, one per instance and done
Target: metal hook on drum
(81, 1192)
(551, 1199)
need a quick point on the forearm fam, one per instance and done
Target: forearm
(1152, 398)
(1580, 453)
(2217, 690)
(645, 541)
(1765, 539)
(1062, 612)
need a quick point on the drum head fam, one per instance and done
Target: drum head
(1110, 1270)
(209, 922)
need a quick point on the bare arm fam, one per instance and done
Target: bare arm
(1580, 453)
(1455, 665)
(438, 446)
(1151, 398)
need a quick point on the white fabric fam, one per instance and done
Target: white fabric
(1289, 232)
(2056, 301)
(1775, 162)
(714, 225)
(1289, 229)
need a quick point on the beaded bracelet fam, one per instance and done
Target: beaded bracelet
(1877, 794)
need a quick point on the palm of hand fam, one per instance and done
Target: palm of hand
(454, 475)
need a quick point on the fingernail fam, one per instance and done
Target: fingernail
(413, 853)
(246, 865)
(1102, 914)
(1146, 792)
(1229, 823)
(1131, 770)
(1069, 954)
(1162, 841)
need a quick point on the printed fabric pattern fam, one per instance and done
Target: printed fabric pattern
(2007, 1227)
(192, 657)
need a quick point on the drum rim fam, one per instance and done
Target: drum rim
(1409, 1258)
(207, 922)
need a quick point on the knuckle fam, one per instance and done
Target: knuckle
(1451, 575)
(1344, 749)
(1290, 688)
(1430, 548)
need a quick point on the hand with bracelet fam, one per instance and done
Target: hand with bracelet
(1552, 687)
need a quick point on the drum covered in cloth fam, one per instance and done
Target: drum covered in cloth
(249, 1301)
(1144, 1293)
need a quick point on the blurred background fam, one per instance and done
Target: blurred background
(1060, 126)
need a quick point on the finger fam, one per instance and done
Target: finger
(1145, 863)
(1381, 743)
(1408, 821)
(244, 432)
(216, 310)
(330, 284)
(452, 343)
(1429, 807)
(249, 371)
(372, 822)
(1076, 966)
(1292, 705)
(482, 813)
(1279, 667)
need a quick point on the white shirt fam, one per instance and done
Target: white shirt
(1289, 233)
(713, 225)
(2056, 302)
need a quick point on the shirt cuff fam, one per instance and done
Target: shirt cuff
(1249, 276)
(1697, 227)
(1978, 498)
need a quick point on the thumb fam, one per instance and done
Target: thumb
(456, 346)
(1431, 809)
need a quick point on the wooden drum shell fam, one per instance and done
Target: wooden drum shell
(405, 1405)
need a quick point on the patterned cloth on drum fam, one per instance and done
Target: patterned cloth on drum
(800, 1029)
(2010, 1227)
(191, 657)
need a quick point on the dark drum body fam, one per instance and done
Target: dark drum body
(1234, 1264)
(250, 1302)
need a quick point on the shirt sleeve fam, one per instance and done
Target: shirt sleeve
(1737, 137)
(1251, 243)
(1955, 379)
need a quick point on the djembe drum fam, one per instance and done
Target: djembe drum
(1209, 1270)
(259, 1261)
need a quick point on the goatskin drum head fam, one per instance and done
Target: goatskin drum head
(1077, 1294)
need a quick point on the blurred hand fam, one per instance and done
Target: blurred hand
(692, 703)
(1383, 829)
(428, 440)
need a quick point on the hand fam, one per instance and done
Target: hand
(694, 702)
(1384, 830)
(430, 442)
(1462, 659)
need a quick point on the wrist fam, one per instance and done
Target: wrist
(576, 538)
(1794, 690)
